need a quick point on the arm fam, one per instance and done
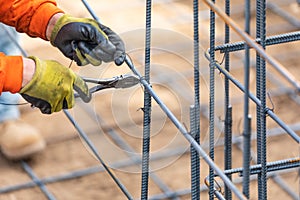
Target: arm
(11, 73)
(31, 17)
(85, 40)
(47, 84)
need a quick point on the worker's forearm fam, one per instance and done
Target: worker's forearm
(51, 24)
(28, 70)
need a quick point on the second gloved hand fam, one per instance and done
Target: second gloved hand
(86, 41)
(51, 88)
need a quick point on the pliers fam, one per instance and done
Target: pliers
(118, 82)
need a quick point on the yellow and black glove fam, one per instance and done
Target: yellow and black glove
(51, 88)
(86, 41)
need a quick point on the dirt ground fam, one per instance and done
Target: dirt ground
(118, 112)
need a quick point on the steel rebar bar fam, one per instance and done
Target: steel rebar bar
(261, 114)
(228, 109)
(258, 92)
(270, 40)
(246, 158)
(271, 166)
(228, 147)
(211, 108)
(195, 110)
(195, 160)
(247, 118)
(147, 107)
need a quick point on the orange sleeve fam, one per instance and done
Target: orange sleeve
(28, 16)
(11, 73)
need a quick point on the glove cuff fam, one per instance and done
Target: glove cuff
(60, 22)
(36, 76)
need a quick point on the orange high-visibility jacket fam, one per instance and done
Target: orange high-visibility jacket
(27, 16)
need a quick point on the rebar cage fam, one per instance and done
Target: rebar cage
(243, 51)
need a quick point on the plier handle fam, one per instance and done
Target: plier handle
(118, 82)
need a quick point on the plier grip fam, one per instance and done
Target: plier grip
(118, 82)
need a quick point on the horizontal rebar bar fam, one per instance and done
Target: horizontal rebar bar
(271, 166)
(271, 40)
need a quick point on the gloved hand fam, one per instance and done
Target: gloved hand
(51, 87)
(87, 41)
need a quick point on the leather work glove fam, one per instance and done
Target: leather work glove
(51, 88)
(87, 41)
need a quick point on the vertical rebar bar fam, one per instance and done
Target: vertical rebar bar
(228, 109)
(196, 52)
(246, 132)
(262, 96)
(147, 107)
(195, 110)
(246, 158)
(228, 147)
(195, 163)
(212, 101)
(258, 92)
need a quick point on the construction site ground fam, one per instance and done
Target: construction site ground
(172, 77)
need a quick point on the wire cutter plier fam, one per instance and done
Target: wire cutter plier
(118, 82)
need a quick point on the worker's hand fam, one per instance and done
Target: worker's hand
(51, 88)
(86, 41)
